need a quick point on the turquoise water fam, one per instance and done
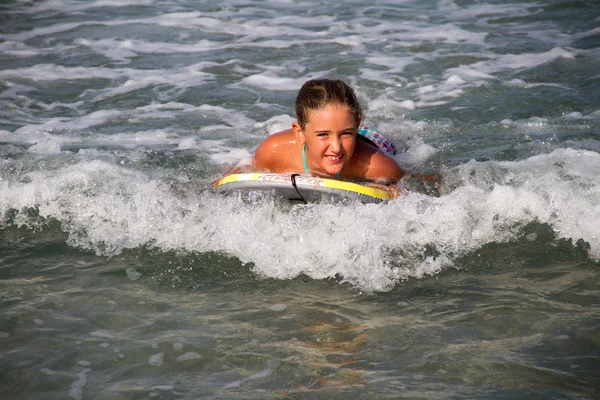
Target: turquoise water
(123, 276)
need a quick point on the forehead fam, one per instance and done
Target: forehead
(331, 114)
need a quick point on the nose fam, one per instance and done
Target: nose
(335, 145)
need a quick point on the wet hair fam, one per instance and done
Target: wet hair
(318, 93)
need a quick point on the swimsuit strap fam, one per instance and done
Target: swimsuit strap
(306, 170)
(304, 159)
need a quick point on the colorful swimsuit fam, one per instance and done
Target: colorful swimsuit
(378, 140)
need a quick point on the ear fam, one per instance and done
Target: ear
(298, 133)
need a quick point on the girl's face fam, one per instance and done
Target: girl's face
(330, 137)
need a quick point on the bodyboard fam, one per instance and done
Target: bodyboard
(304, 188)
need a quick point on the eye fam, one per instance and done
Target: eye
(322, 135)
(348, 133)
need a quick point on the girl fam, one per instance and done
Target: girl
(323, 141)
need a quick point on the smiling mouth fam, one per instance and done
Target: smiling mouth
(335, 159)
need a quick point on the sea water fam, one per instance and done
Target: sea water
(124, 276)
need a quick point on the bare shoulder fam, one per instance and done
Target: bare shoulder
(384, 165)
(273, 151)
(377, 166)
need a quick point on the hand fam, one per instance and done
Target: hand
(395, 191)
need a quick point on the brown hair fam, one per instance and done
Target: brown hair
(318, 93)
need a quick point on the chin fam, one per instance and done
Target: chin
(334, 171)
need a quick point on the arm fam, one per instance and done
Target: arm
(273, 154)
(382, 167)
(264, 155)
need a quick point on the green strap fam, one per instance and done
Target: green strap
(304, 159)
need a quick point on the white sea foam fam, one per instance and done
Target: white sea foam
(73, 124)
(51, 72)
(102, 334)
(232, 157)
(486, 11)
(278, 307)
(478, 74)
(17, 49)
(271, 81)
(276, 124)
(76, 391)
(68, 109)
(251, 29)
(132, 274)
(48, 371)
(417, 153)
(76, 6)
(163, 387)
(178, 346)
(499, 63)
(448, 33)
(49, 136)
(156, 359)
(395, 64)
(271, 366)
(108, 208)
(232, 117)
(390, 108)
(122, 51)
(190, 355)
(130, 79)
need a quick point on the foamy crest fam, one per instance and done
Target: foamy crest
(76, 6)
(269, 80)
(275, 124)
(72, 124)
(486, 11)
(76, 392)
(383, 106)
(132, 79)
(522, 61)
(449, 33)
(395, 64)
(231, 117)
(200, 85)
(232, 156)
(416, 153)
(458, 79)
(107, 208)
(50, 135)
(48, 146)
(124, 50)
(17, 49)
